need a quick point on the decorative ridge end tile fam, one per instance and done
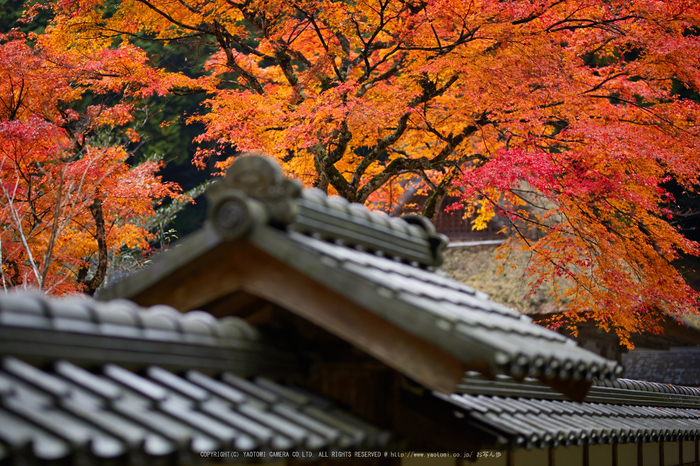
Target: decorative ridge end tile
(254, 192)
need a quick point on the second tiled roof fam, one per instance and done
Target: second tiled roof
(85, 417)
(86, 330)
(445, 312)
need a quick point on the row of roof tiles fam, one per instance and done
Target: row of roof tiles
(444, 311)
(123, 318)
(617, 391)
(542, 423)
(410, 240)
(180, 414)
(71, 413)
(654, 387)
(358, 212)
(86, 330)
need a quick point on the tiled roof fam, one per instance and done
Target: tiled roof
(410, 239)
(85, 417)
(85, 381)
(85, 330)
(384, 265)
(529, 414)
(529, 423)
(445, 312)
(81, 381)
(618, 391)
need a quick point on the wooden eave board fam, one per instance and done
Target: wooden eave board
(173, 262)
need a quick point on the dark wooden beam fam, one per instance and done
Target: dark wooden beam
(239, 303)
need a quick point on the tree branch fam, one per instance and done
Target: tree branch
(101, 237)
(430, 91)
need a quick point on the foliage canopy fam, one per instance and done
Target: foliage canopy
(563, 116)
(69, 199)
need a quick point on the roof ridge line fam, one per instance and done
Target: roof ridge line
(634, 391)
(35, 327)
(256, 192)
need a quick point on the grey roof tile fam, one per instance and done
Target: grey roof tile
(608, 398)
(80, 434)
(473, 403)
(158, 322)
(372, 261)
(227, 437)
(40, 379)
(29, 304)
(116, 413)
(132, 434)
(249, 388)
(295, 397)
(25, 392)
(180, 385)
(117, 312)
(19, 318)
(87, 380)
(199, 322)
(334, 217)
(77, 326)
(353, 435)
(326, 431)
(183, 436)
(508, 339)
(266, 437)
(120, 331)
(524, 420)
(301, 437)
(21, 435)
(73, 309)
(136, 383)
(221, 389)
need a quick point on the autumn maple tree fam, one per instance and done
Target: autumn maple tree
(67, 201)
(566, 117)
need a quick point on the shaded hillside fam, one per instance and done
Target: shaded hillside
(478, 267)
